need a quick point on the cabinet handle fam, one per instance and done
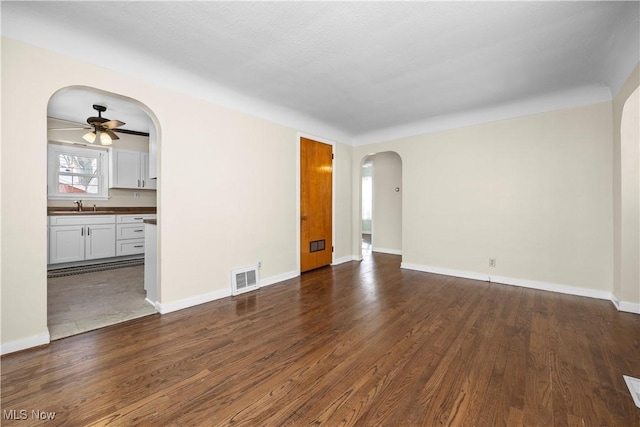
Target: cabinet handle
(138, 231)
(143, 183)
(138, 219)
(88, 231)
(139, 246)
(138, 183)
(82, 231)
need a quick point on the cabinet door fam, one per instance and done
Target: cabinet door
(100, 241)
(147, 182)
(66, 243)
(125, 169)
(153, 151)
(130, 247)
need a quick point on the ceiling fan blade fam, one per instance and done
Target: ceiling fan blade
(113, 124)
(76, 128)
(111, 134)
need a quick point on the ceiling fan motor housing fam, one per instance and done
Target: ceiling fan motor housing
(98, 120)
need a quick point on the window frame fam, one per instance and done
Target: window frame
(53, 172)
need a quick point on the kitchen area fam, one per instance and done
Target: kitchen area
(101, 189)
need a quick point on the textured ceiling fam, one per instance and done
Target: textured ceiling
(357, 67)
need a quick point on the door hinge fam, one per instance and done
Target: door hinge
(331, 248)
(332, 156)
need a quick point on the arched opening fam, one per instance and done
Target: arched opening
(630, 203)
(381, 204)
(101, 187)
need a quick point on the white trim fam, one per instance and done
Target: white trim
(344, 259)
(193, 301)
(445, 271)
(525, 283)
(629, 307)
(216, 295)
(333, 193)
(572, 98)
(387, 250)
(279, 278)
(25, 343)
(154, 304)
(552, 287)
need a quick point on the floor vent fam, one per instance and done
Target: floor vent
(634, 388)
(244, 280)
(82, 269)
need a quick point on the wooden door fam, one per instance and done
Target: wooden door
(316, 228)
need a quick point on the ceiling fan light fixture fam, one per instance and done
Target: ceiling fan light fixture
(105, 139)
(90, 137)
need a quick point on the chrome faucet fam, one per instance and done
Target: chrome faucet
(79, 203)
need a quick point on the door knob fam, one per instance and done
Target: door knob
(304, 218)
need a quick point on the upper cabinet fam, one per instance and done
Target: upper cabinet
(129, 169)
(153, 151)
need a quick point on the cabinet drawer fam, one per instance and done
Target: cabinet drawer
(81, 219)
(134, 219)
(130, 231)
(129, 247)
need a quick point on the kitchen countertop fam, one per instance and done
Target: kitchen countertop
(129, 210)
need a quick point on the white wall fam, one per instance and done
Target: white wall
(533, 192)
(387, 203)
(626, 171)
(630, 200)
(626, 189)
(226, 195)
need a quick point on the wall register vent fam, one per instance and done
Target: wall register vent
(634, 388)
(244, 280)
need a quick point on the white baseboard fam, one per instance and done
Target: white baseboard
(445, 271)
(215, 295)
(532, 284)
(25, 343)
(347, 258)
(386, 250)
(165, 308)
(278, 278)
(552, 287)
(629, 307)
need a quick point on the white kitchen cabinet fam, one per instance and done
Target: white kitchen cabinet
(129, 169)
(151, 262)
(81, 237)
(130, 234)
(66, 244)
(153, 151)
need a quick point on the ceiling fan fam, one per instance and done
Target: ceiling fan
(101, 127)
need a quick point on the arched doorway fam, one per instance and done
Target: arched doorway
(101, 184)
(629, 293)
(381, 201)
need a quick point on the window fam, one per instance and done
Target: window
(77, 173)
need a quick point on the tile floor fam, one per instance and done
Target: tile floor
(84, 302)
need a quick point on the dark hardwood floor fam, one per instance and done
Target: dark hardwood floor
(363, 344)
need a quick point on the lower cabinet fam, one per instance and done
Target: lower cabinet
(79, 238)
(74, 238)
(130, 234)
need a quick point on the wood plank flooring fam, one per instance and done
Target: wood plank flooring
(359, 344)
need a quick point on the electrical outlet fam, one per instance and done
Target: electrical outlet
(492, 262)
(259, 265)
(136, 194)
